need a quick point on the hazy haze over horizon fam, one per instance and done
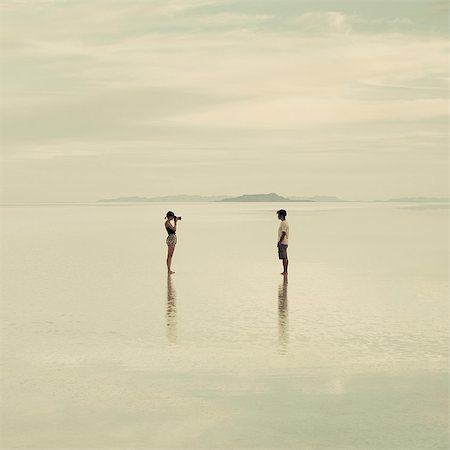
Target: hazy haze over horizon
(104, 99)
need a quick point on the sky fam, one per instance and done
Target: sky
(107, 98)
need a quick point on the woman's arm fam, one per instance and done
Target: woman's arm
(168, 224)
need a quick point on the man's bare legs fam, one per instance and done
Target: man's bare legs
(285, 266)
(170, 251)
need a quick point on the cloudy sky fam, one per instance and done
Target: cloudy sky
(106, 98)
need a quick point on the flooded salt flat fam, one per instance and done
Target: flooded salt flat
(101, 349)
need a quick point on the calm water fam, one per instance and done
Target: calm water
(101, 350)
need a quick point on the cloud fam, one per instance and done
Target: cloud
(226, 19)
(332, 21)
(240, 61)
(243, 79)
(300, 112)
(401, 21)
(442, 89)
(441, 5)
(30, 22)
(339, 22)
(181, 6)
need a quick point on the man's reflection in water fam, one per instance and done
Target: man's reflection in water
(171, 315)
(283, 328)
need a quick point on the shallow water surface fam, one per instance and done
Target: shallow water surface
(101, 349)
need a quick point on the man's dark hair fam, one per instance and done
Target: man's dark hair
(282, 212)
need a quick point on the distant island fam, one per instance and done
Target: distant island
(268, 198)
(272, 197)
(318, 198)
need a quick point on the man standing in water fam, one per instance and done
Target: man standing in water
(283, 238)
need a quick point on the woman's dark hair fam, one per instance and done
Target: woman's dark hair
(282, 212)
(169, 215)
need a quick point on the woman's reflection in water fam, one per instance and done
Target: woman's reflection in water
(171, 315)
(283, 331)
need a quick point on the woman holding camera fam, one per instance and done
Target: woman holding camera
(171, 241)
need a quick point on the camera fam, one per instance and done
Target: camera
(171, 215)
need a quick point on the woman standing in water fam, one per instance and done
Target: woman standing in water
(171, 240)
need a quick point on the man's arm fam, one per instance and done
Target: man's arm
(283, 234)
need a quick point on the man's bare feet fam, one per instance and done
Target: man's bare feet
(170, 272)
(283, 273)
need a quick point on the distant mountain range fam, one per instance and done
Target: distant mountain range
(167, 198)
(420, 200)
(272, 197)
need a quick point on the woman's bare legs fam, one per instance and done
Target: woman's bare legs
(170, 251)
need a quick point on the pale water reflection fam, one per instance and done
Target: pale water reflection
(283, 315)
(100, 349)
(171, 316)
